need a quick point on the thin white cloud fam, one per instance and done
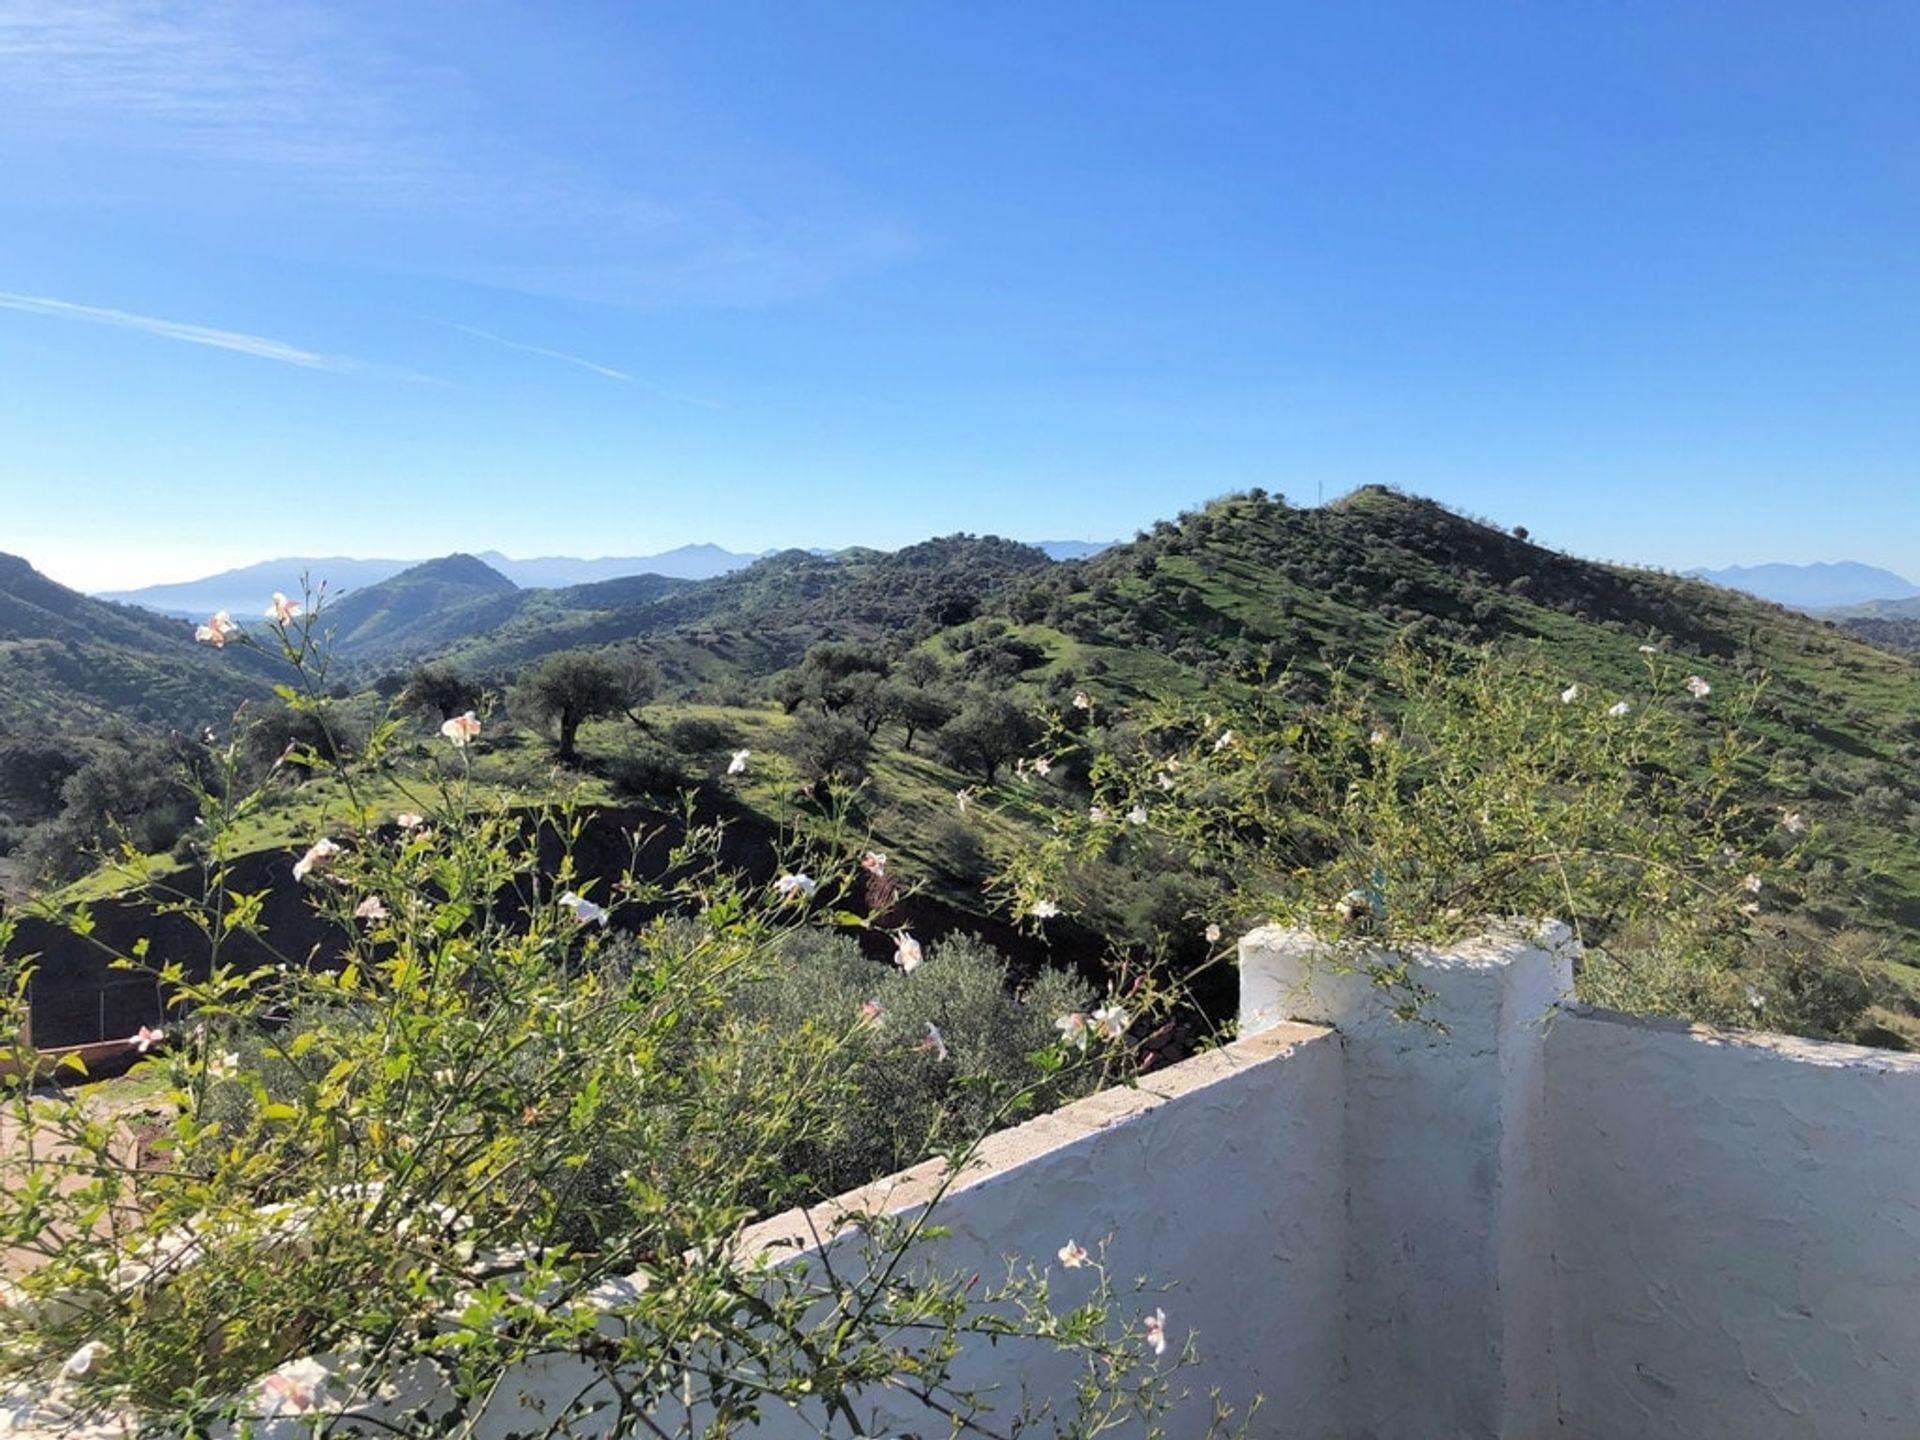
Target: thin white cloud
(594, 366)
(258, 346)
(584, 364)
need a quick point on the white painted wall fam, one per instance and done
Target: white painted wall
(1447, 1313)
(1737, 1237)
(1221, 1178)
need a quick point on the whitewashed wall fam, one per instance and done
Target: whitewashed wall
(1447, 1310)
(1221, 1178)
(1737, 1236)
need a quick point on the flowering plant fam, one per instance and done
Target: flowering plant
(518, 1125)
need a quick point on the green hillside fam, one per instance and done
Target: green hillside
(754, 621)
(70, 663)
(1248, 598)
(425, 609)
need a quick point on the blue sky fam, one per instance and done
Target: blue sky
(605, 278)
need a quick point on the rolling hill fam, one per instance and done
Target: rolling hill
(70, 662)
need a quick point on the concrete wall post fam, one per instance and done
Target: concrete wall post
(1449, 1263)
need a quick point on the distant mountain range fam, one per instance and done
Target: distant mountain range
(244, 590)
(1824, 586)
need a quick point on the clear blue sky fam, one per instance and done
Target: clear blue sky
(602, 278)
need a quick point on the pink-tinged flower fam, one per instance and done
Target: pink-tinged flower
(217, 631)
(738, 764)
(282, 611)
(1073, 1256)
(146, 1037)
(1213, 934)
(935, 1041)
(1137, 815)
(794, 883)
(873, 1012)
(1570, 694)
(1096, 813)
(81, 1360)
(1155, 1326)
(874, 863)
(317, 857)
(371, 908)
(1698, 688)
(461, 729)
(407, 820)
(584, 911)
(1073, 1029)
(1794, 822)
(1043, 910)
(1619, 710)
(293, 1389)
(906, 952)
(223, 1064)
(1110, 1022)
(1082, 700)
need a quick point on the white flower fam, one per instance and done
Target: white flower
(146, 1037)
(874, 863)
(738, 764)
(935, 1041)
(461, 728)
(1156, 1329)
(1380, 736)
(316, 858)
(585, 912)
(1073, 1256)
(906, 952)
(1699, 688)
(1043, 910)
(1137, 815)
(293, 1389)
(1073, 1029)
(1649, 649)
(1752, 885)
(794, 883)
(1082, 700)
(1794, 822)
(1110, 1022)
(81, 1360)
(216, 631)
(371, 908)
(1043, 767)
(1619, 710)
(1163, 780)
(1755, 1000)
(1213, 934)
(1226, 739)
(1570, 694)
(963, 798)
(283, 610)
(1096, 813)
(407, 820)
(225, 1063)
